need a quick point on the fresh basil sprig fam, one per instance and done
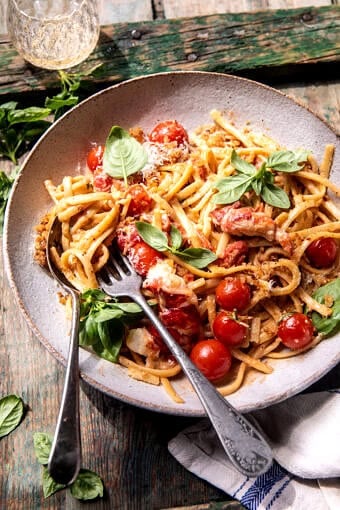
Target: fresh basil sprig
(20, 127)
(102, 323)
(328, 325)
(154, 237)
(88, 485)
(11, 413)
(261, 181)
(123, 155)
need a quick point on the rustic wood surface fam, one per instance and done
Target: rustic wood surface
(125, 445)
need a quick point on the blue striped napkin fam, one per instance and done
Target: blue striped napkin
(304, 434)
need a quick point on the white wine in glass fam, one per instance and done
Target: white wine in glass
(53, 34)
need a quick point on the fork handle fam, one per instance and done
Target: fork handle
(244, 445)
(65, 456)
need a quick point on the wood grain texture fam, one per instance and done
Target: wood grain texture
(271, 41)
(178, 8)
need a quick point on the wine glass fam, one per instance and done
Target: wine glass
(53, 34)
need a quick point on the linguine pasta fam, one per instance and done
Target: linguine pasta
(178, 185)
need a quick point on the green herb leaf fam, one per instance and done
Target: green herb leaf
(241, 165)
(275, 196)
(6, 182)
(176, 238)
(31, 114)
(42, 446)
(153, 236)
(123, 154)
(49, 485)
(11, 413)
(88, 485)
(197, 257)
(232, 188)
(287, 161)
(328, 325)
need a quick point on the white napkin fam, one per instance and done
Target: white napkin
(304, 434)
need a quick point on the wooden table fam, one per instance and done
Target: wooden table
(127, 446)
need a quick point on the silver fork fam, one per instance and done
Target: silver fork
(243, 444)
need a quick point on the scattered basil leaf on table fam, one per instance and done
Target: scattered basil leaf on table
(11, 413)
(123, 155)
(154, 237)
(42, 446)
(260, 180)
(49, 486)
(328, 325)
(88, 485)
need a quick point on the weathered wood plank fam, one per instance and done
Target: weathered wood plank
(110, 11)
(234, 43)
(178, 8)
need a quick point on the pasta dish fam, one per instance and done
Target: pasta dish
(236, 238)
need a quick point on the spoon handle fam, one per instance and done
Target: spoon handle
(244, 445)
(65, 457)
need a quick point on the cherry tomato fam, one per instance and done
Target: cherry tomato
(169, 131)
(95, 157)
(142, 257)
(233, 294)
(102, 182)
(228, 331)
(140, 200)
(322, 252)
(212, 358)
(296, 331)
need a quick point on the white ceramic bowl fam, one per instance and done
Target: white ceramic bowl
(188, 97)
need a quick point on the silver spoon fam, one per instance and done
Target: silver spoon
(65, 457)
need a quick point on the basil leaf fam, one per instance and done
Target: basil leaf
(90, 336)
(152, 236)
(328, 325)
(197, 257)
(128, 308)
(42, 446)
(123, 154)
(233, 194)
(106, 314)
(10, 105)
(88, 485)
(11, 413)
(176, 238)
(111, 335)
(31, 114)
(286, 161)
(257, 185)
(49, 485)
(241, 165)
(275, 196)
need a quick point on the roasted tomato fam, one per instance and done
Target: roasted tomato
(140, 200)
(212, 358)
(323, 252)
(228, 330)
(169, 131)
(296, 330)
(233, 294)
(186, 320)
(102, 182)
(95, 157)
(142, 257)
